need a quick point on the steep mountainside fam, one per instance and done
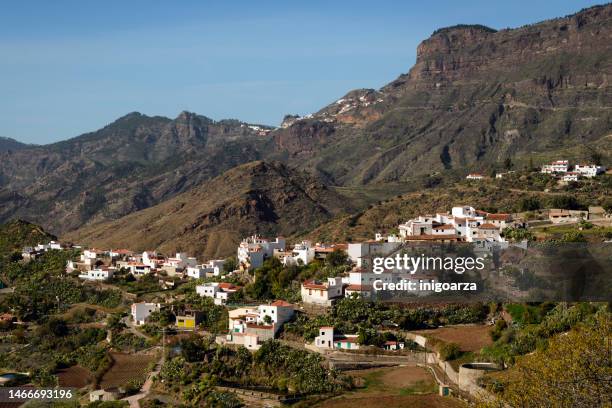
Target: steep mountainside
(209, 220)
(6, 144)
(474, 97)
(18, 233)
(131, 164)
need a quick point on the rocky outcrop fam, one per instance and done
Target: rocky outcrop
(475, 97)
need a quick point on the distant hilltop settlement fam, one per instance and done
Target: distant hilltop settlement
(560, 169)
(252, 325)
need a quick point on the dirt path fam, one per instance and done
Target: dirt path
(145, 390)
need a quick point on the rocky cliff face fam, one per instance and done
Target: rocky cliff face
(474, 97)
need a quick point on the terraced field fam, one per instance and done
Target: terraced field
(127, 367)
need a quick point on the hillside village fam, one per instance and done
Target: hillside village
(240, 303)
(562, 170)
(252, 325)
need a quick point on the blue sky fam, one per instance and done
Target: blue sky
(68, 67)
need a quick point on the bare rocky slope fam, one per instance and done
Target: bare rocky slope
(209, 220)
(475, 97)
(131, 164)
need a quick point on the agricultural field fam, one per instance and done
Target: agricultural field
(467, 337)
(74, 377)
(126, 368)
(404, 386)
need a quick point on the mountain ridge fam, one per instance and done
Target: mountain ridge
(474, 99)
(210, 219)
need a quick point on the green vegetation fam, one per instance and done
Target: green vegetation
(570, 370)
(275, 281)
(462, 26)
(41, 287)
(350, 315)
(534, 324)
(274, 367)
(449, 351)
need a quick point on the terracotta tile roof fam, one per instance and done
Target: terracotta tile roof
(359, 288)
(345, 339)
(498, 217)
(488, 226)
(281, 303)
(312, 284)
(445, 227)
(228, 286)
(430, 237)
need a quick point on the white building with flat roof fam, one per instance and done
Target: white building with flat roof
(98, 274)
(254, 250)
(589, 170)
(141, 311)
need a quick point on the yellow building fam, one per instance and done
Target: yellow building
(189, 320)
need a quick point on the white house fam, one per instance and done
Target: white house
(254, 250)
(464, 223)
(137, 268)
(328, 339)
(181, 260)
(279, 311)
(46, 247)
(571, 176)
(502, 175)
(301, 254)
(197, 271)
(322, 293)
(120, 253)
(250, 326)
(474, 176)
(393, 345)
(361, 252)
(216, 265)
(98, 274)
(211, 268)
(141, 311)
(150, 258)
(219, 291)
(589, 170)
(90, 256)
(558, 166)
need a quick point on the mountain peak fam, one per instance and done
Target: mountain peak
(7, 144)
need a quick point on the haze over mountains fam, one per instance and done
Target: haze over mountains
(474, 98)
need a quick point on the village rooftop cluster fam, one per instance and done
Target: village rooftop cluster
(560, 169)
(252, 325)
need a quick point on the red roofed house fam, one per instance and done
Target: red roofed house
(250, 327)
(321, 293)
